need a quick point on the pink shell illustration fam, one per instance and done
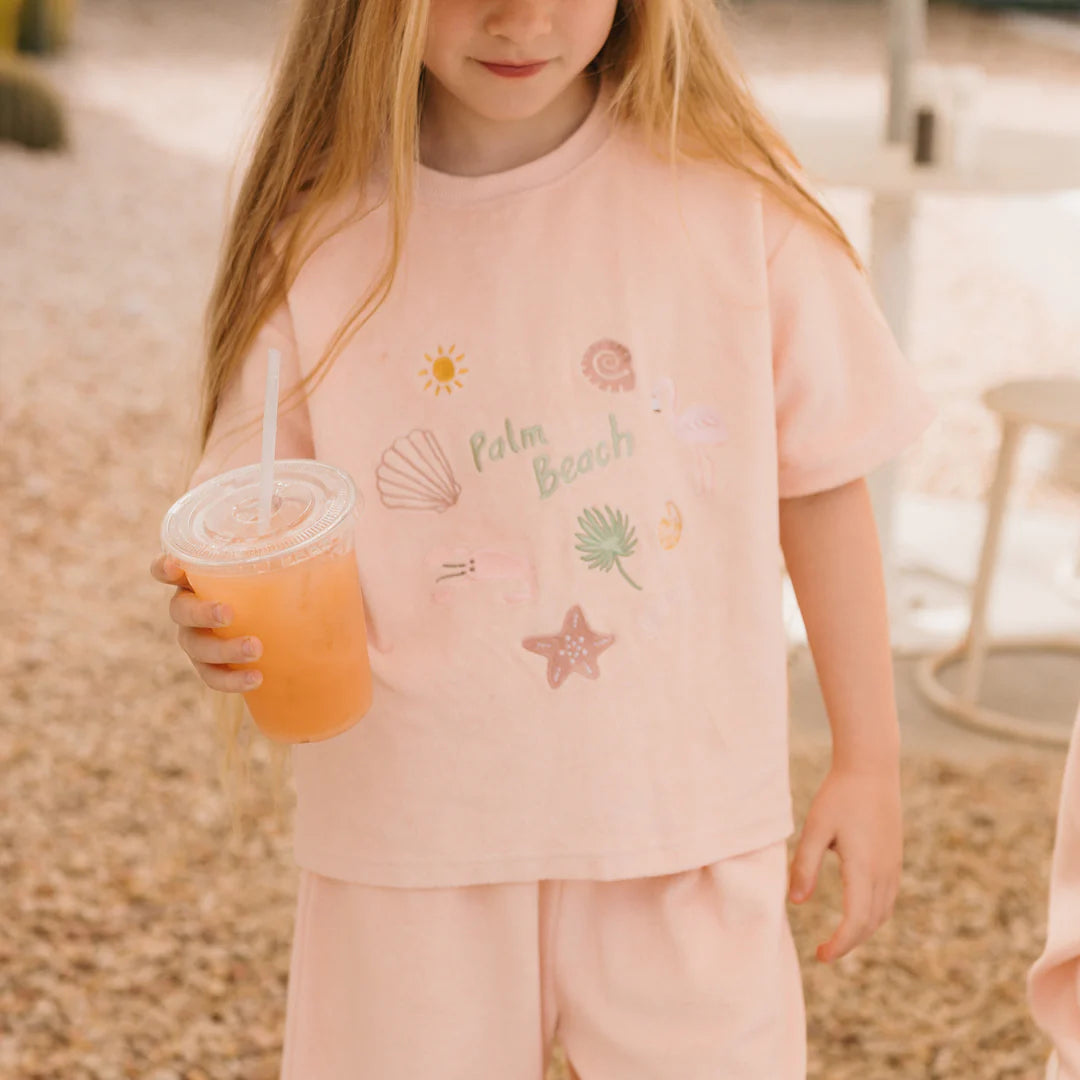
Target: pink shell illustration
(414, 474)
(607, 364)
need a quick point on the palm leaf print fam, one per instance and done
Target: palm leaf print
(605, 540)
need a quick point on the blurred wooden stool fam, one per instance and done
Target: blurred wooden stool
(1053, 404)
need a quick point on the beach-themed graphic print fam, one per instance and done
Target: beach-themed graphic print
(444, 372)
(553, 472)
(669, 530)
(699, 426)
(607, 365)
(575, 648)
(414, 474)
(453, 568)
(605, 540)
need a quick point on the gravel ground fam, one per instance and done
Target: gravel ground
(138, 939)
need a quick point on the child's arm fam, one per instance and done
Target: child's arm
(235, 440)
(833, 557)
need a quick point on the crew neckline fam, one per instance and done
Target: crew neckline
(435, 186)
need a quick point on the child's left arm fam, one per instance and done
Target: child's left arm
(833, 557)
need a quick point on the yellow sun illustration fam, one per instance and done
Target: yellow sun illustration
(444, 371)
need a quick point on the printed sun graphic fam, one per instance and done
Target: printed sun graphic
(445, 371)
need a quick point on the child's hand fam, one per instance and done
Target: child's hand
(857, 815)
(209, 654)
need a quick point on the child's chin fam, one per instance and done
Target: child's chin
(509, 101)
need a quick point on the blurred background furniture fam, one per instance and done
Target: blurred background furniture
(975, 156)
(1054, 405)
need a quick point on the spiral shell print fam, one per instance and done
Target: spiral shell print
(607, 365)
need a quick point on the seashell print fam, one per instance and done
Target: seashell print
(670, 528)
(414, 474)
(607, 364)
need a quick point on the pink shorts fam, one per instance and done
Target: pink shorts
(688, 976)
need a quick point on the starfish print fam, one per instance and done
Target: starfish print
(574, 648)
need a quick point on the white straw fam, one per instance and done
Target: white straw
(269, 438)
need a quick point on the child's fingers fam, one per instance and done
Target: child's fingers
(889, 890)
(163, 569)
(856, 925)
(879, 908)
(885, 889)
(209, 655)
(206, 648)
(186, 609)
(226, 679)
(806, 864)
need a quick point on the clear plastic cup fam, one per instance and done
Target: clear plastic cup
(296, 588)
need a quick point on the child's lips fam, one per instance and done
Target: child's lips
(515, 71)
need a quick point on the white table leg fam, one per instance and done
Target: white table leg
(907, 45)
(890, 250)
(977, 636)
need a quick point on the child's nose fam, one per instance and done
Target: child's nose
(520, 21)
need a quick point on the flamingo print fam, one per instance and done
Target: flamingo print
(699, 426)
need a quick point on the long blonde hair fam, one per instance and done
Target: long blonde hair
(347, 95)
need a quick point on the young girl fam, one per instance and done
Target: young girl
(551, 289)
(1054, 979)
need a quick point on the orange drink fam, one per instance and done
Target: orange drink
(296, 587)
(314, 662)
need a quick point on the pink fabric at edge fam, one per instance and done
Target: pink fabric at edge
(1054, 980)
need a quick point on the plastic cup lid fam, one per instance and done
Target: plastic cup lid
(216, 525)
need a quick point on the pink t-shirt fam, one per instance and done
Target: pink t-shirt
(570, 423)
(1054, 979)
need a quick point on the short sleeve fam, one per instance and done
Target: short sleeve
(847, 400)
(235, 438)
